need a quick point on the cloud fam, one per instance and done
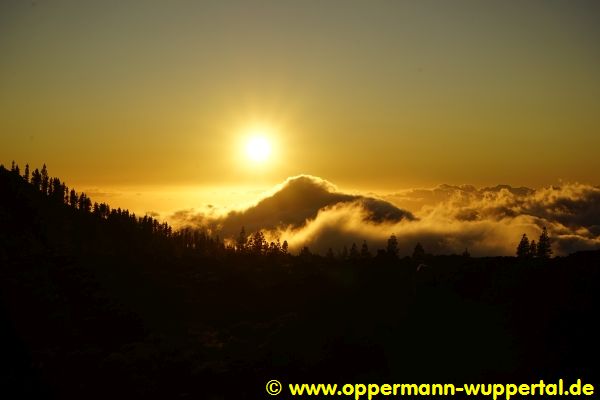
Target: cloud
(294, 204)
(309, 211)
(570, 211)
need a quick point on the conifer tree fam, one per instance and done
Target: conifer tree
(418, 252)
(272, 249)
(45, 180)
(544, 248)
(329, 254)
(57, 190)
(36, 179)
(305, 253)
(364, 251)
(240, 243)
(523, 248)
(84, 203)
(258, 243)
(354, 252)
(73, 198)
(344, 253)
(532, 249)
(284, 247)
(392, 246)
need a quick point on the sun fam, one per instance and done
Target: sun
(258, 148)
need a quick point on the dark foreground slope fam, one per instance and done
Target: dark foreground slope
(95, 307)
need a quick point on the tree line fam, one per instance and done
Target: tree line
(201, 241)
(58, 192)
(531, 249)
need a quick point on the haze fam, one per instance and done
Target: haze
(369, 95)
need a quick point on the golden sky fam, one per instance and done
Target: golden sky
(366, 94)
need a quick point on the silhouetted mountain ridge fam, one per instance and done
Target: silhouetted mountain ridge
(97, 304)
(299, 200)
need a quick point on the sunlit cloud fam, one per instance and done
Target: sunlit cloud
(310, 211)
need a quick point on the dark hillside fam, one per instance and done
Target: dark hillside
(98, 303)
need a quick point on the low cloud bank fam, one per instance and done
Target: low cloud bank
(309, 211)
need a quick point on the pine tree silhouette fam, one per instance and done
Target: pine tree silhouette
(284, 247)
(36, 179)
(258, 243)
(26, 174)
(240, 243)
(532, 249)
(45, 180)
(344, 253)
(329, 254)
(364, 251)
(354, 252)
(73, 198)
(523, 248)
(392, 246)
(418, 252)
(305, 254)
(544, 247)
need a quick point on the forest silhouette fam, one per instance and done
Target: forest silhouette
(97, 302)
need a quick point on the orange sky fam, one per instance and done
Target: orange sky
(160, 97)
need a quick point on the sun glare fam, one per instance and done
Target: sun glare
(258, 148)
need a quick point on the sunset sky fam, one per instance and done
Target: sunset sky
(370, 95)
